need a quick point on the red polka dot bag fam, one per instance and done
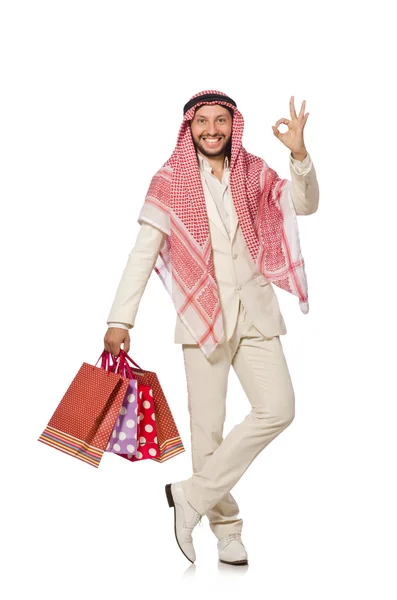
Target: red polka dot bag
(157, 435)
(84, 419)
(134, 436)
(148, 446)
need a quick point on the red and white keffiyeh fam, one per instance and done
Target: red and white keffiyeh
(175, 204)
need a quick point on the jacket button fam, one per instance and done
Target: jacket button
(234, 255)
(238, 287)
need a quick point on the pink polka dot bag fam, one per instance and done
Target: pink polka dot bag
(123, 440)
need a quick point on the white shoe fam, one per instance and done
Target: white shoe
(185, 518)
(231, 550)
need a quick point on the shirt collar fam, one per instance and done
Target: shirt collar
(204, 164)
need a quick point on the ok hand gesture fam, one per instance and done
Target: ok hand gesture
(293, 138)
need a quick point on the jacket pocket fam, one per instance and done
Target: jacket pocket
(261, 280)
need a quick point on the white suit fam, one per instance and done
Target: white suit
(252, 323)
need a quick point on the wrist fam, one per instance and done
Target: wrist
(299, 155)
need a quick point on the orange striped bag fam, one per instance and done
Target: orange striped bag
(84, 419)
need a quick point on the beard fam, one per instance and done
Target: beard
(225, 149)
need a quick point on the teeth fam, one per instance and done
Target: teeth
(212, 141)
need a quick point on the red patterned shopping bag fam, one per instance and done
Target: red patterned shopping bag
(84, 418)
(134, 435)
(168, 438)
(147, 443)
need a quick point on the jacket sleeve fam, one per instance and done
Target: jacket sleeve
(304, 189)
(137, 271)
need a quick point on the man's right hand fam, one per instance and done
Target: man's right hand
(115, 336)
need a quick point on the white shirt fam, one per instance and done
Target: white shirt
(219, 190)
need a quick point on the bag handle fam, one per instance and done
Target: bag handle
(105, 363)
(121, 367)
(120, 364)
(125, 355)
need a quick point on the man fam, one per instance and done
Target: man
(219, 226)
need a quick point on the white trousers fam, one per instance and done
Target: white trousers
(218, 463)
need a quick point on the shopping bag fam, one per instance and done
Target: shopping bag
(148, 445)
(138, 413)
(168, 438)
(123, 439)
(84, 419)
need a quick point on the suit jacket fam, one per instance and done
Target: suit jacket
(236, 275)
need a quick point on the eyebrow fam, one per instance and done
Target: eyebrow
(224, 114)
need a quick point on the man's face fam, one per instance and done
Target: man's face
(211, 129)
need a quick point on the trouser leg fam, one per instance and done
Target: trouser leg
(207, 388)
(261, 367)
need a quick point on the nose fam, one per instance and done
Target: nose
(211, 129)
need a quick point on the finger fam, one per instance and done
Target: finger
(302, 110)
(302, 122)
(276, 131)
(106, 343)
(115, 349)
(292, 108)
(284, 121)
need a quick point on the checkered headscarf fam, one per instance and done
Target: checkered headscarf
(175, 204)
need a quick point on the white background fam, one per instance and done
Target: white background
(91, 103)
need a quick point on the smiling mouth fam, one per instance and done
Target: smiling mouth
(212, 141)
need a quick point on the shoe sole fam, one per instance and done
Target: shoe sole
(171, 503)
(237, 562)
